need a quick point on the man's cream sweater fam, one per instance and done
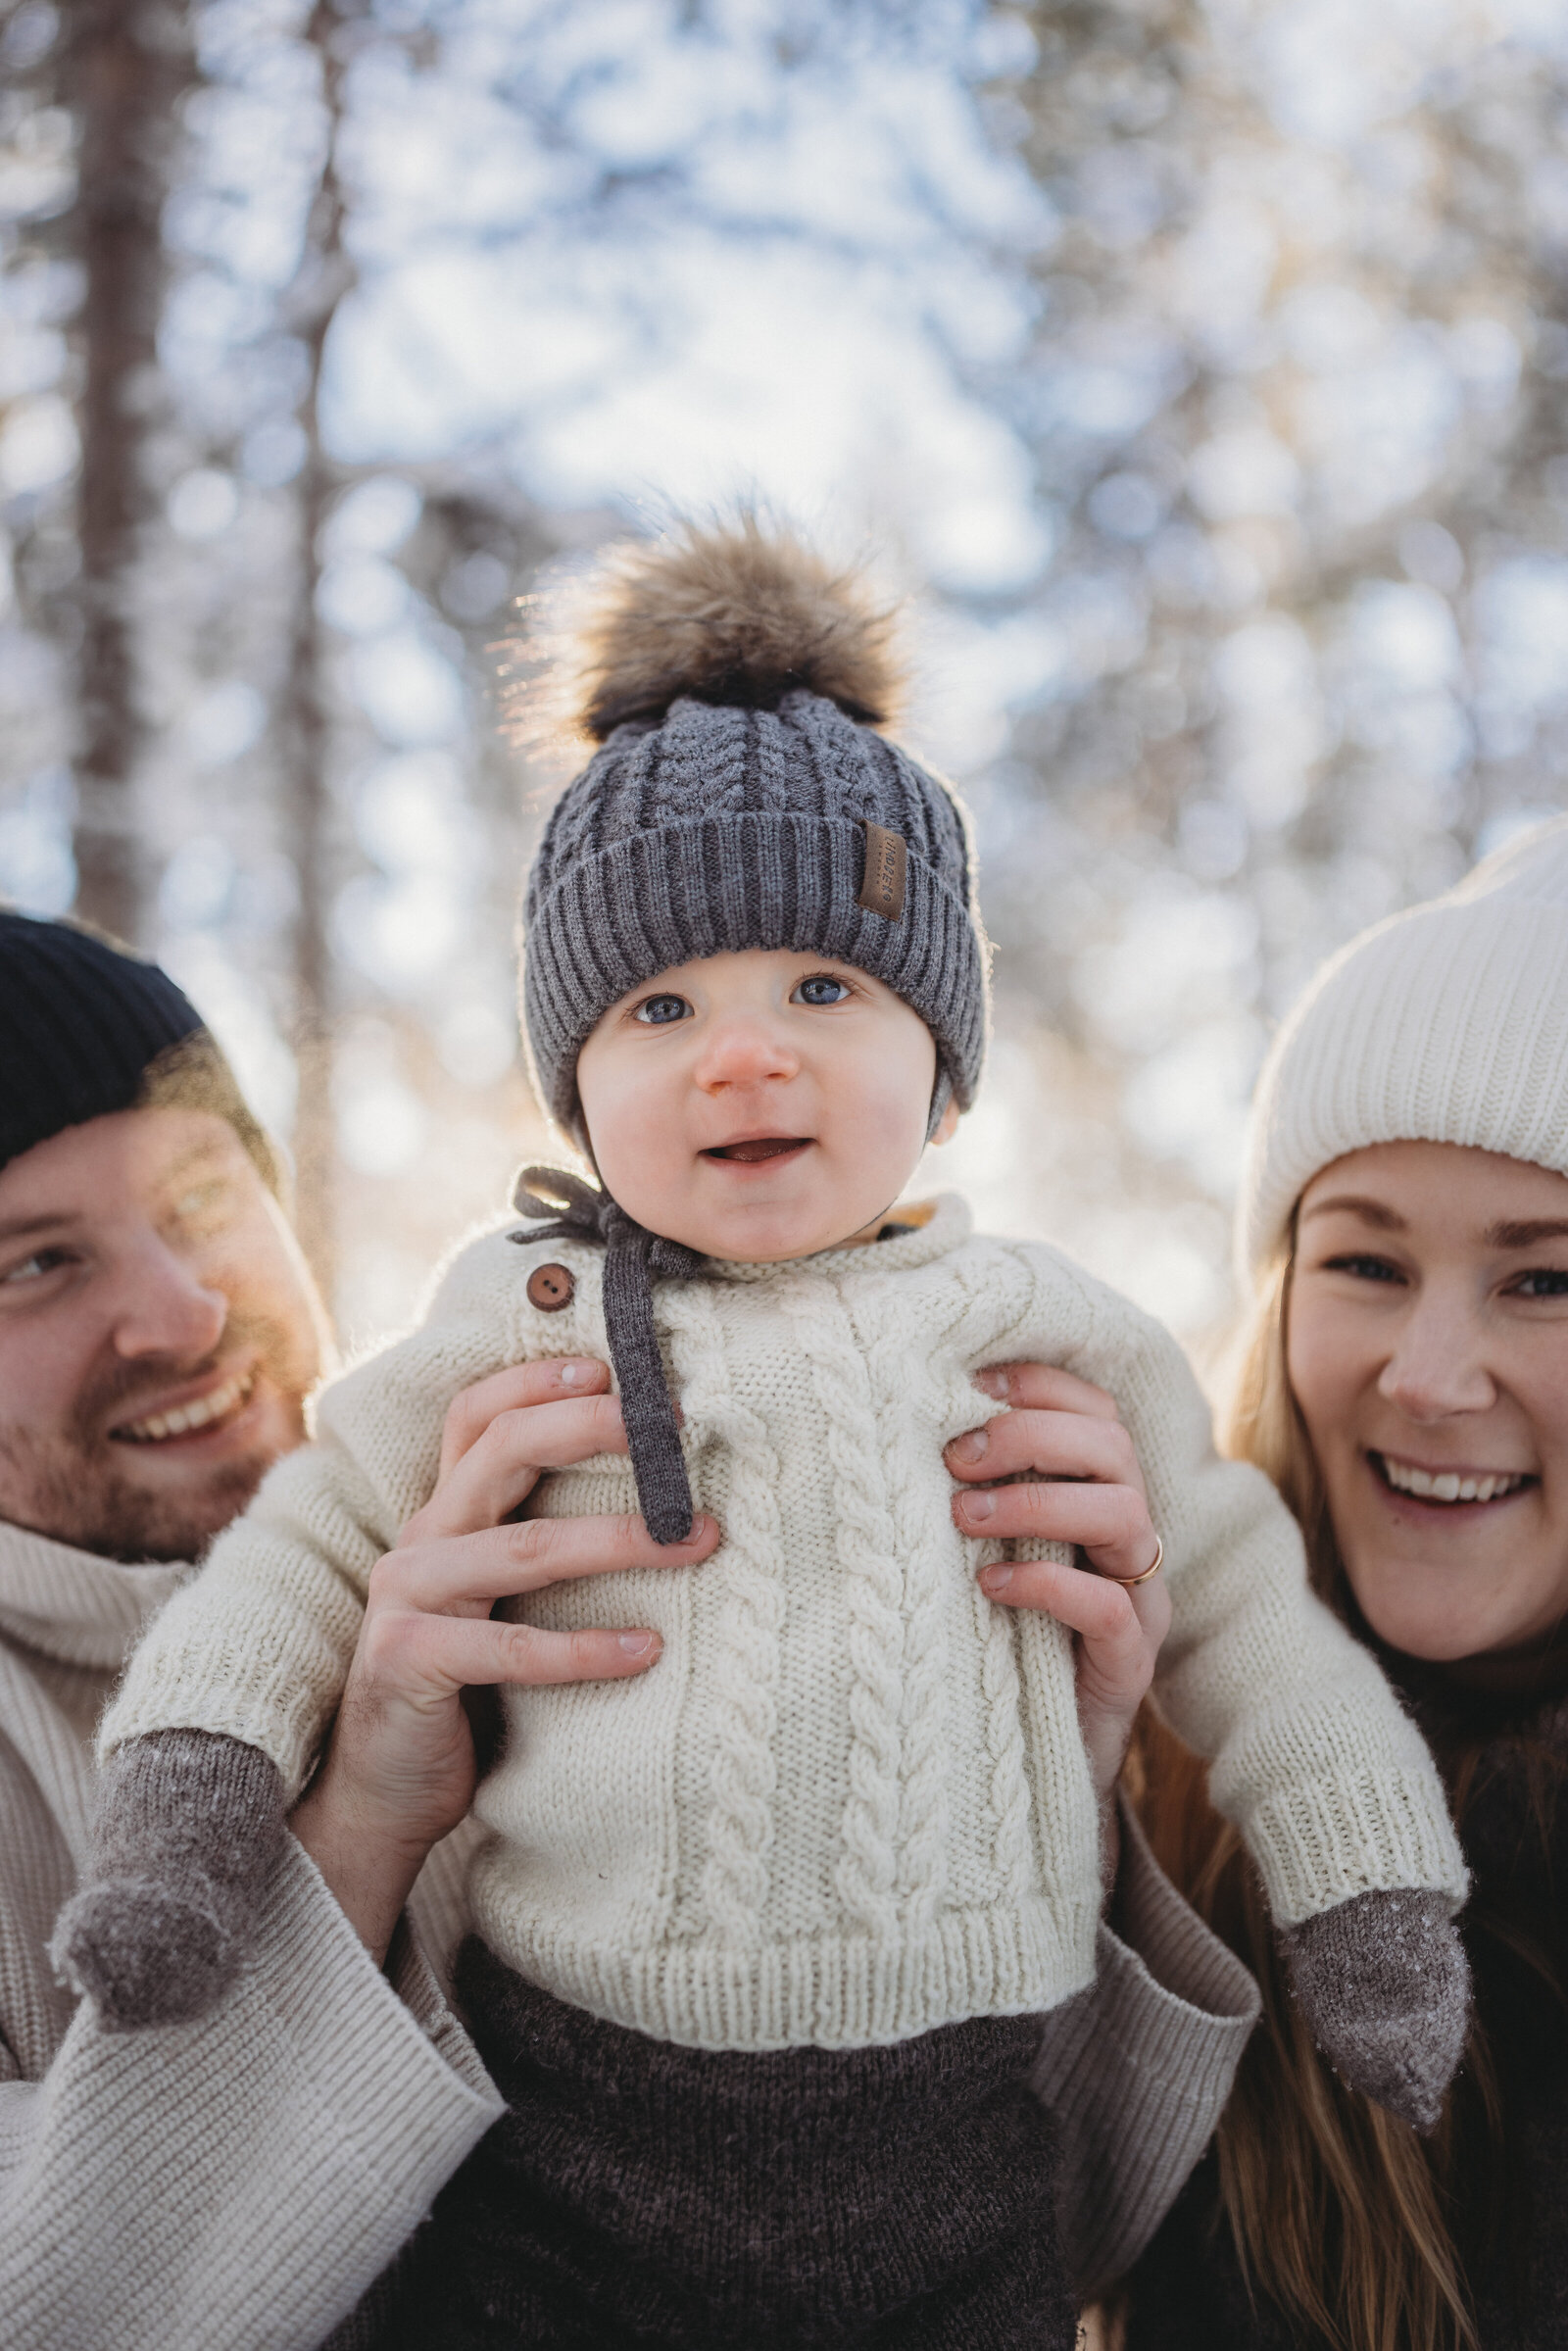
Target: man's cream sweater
(236, 2184)
(850, 1804)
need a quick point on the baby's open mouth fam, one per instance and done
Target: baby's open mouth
(185, 1419)
(760, 1147)
(1447, 1485)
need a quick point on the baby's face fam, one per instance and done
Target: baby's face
(760, 1106)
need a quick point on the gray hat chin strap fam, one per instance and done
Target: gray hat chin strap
(941, 1096)
(576, 1210)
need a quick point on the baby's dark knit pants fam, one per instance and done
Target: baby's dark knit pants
(638, 2194)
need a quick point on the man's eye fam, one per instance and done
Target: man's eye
(203, 1203)
(823, 988)
(1542, 1281)
(32, 1269)
(657, 1011)
(1364, 1269)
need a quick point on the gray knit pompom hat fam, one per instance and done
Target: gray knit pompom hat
(744, 796)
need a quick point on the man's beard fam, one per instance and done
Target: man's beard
(79, 1486)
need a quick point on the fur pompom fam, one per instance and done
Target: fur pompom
(732, 614)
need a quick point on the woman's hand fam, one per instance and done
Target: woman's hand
(1084, 1488)
(400, 1769)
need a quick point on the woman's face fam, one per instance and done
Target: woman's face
(1427, 1348)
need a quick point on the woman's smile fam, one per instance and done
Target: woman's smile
(1446, 1489)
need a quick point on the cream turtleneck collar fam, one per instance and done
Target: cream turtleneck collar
(72, 1605)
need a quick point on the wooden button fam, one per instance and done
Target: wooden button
(550, 1288)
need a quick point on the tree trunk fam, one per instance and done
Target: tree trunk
(127, 64)
(325, 275)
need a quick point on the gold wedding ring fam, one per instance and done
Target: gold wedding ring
(1153, 1569)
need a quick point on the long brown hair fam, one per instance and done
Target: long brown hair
(1340, 2216)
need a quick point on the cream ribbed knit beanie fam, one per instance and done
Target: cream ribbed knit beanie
(1447, 1024)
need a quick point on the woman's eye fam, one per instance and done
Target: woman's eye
(657, 1011)
(1542, 1281)
(1364, 1269)
(823, 988)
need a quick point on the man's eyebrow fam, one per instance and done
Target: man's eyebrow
(211, 1150)
(1527, 1234)
(23, 1228)
(1350, 1203)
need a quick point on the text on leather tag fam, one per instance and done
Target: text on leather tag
(886, 861)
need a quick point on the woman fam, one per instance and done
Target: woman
(1405, 1223)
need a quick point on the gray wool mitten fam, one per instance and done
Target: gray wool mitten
(187, 1828)
(1384, 1983)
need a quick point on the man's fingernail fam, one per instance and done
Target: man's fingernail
(573, 1375)
(977, 1506)
(994, 1381)
(973, 1446)
(995, 1579)
(638, 1645)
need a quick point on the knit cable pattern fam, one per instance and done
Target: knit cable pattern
(966, 1338)
(744, 1776)
(867, 1875)
(922, 1807)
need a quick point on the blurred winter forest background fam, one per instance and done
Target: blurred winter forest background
(1196, 367)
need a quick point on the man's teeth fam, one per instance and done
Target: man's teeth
(1447, 1486)
(186, 1417)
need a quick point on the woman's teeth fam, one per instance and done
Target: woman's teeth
(185, 1417)
(1447, 1486)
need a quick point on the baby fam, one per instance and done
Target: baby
(761, 1936)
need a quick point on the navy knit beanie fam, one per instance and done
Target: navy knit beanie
(86, 1030)
(744, 796)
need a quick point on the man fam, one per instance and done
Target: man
(239, 2184)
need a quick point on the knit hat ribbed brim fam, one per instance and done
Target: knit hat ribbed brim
(1444, 1024)
(726, 829)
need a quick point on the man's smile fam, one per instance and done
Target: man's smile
(206, 1413)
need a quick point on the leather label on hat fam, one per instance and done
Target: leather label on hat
(886, 864)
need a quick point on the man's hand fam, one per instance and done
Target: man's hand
(400, 1769)
(1084, 1487)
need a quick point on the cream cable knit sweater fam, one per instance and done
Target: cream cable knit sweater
(237, 2183)
(851, 1802)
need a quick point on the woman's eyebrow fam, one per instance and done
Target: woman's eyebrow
(1349, 1204)
(1528, 1235)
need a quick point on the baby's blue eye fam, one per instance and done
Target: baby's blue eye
(657, 1010)
(820, 989)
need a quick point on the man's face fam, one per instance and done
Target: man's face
(159, 1334)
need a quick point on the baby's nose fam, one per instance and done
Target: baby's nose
(745, 1053)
